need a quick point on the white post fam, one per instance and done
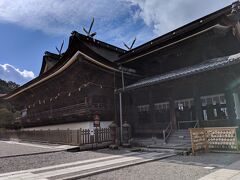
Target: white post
(123, 83)
(237, 105)
(120, 116)
(120, 107)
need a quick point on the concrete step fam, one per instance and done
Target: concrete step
(177, 131)
(170, 148)
(181, 132)
(146, 142)
(179, 142)
(179, 137)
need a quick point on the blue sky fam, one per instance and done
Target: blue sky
(28, 28)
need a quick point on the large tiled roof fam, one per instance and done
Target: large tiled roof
(182, 33)
(195, 69)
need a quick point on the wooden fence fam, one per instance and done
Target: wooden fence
(67, 137)
(212, 139)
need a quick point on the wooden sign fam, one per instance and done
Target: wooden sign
(96, 122)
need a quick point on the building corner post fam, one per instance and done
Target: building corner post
(120, 116)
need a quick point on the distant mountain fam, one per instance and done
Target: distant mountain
(6, 87)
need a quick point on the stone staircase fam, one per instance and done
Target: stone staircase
(180, 137)
(146, 142)
(178, 142)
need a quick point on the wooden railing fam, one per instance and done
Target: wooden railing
(167, 132)
(67, 137)
(81, 108)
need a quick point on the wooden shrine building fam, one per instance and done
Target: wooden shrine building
(191, 76)
(74, 87)
(188, 77)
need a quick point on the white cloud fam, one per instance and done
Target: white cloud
(116, 20)
(10, 73)
(165, 16)
(56, 16)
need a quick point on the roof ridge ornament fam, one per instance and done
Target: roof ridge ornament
(236, 5)
(235, 13)
(88, 33)
(60, 50)
(130, 47)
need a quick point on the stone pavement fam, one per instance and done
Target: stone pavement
(231, 172)
(14, 148)
(86, 167)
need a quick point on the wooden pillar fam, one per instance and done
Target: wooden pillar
(237, 105)
(151, 110)
(228, 78)
(151, 105)
(173, 119)
(230, 105)
(197, 102)
(135, 119)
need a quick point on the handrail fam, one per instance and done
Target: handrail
(167, 132)
(184, 122)
(196, 125)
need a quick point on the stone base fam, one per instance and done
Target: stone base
(113, 146)
(127, 145)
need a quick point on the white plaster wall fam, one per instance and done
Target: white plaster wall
(72, 126)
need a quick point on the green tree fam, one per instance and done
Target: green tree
(6, 87)
(6, 117)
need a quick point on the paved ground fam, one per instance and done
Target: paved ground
(13, 148)
(206, 166)
(206, 159)
(172, 168)
(85, 167)
(18, 163)
(155, 170)
(231, 172)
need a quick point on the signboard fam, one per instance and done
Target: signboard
(96, 122)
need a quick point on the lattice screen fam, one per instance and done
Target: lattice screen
(222, 138)
(214, 139)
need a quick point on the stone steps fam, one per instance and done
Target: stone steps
(179, 142)
(146, 142)
(180, 137)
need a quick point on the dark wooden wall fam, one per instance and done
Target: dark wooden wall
(187, 53)
(196, 86)
(77, 94)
